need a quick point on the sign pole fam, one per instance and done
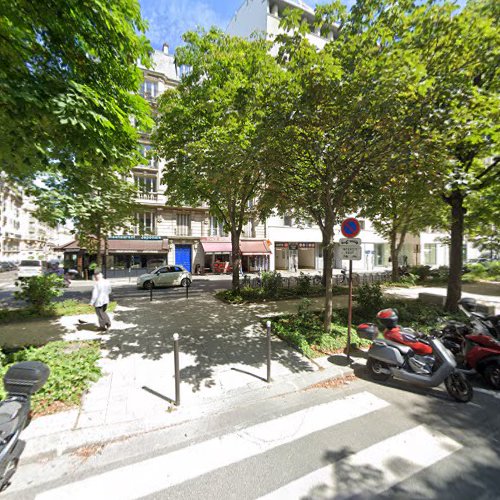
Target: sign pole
(349, 314)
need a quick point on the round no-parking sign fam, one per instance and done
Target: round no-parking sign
(350, 227)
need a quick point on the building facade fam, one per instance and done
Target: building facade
(22, 235)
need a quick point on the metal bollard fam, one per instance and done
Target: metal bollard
(176, 369)
(268, 324)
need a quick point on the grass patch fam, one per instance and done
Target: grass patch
(306, 333)
(73, 366)
(248, 294)
(68, 307)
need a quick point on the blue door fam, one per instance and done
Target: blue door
(183, 256)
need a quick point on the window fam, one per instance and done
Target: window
(381, 257)
(146, 223)
(147, 152)
(183, 225)
(145, 184)
(184, 70)
(216, 227)
(430, 254)
(361, 224)
(287, 220)
(149, 89)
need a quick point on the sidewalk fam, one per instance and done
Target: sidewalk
(222, 361)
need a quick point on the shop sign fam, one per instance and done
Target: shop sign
(281, 245)
(307, 245)
(134, 237)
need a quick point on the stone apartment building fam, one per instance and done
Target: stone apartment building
(22, 235)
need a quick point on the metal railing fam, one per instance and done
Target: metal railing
(183, 231)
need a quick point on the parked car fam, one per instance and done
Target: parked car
(4, 267)
(165, 276)
(30, 268)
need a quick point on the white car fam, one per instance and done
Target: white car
(165, 276)
(30, 268)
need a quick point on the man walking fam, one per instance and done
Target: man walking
(100, 300)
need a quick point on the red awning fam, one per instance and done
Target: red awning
(216, 246)
(254, 248)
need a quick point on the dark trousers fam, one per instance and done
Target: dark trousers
(102, 316)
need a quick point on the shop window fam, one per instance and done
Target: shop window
(430, 254)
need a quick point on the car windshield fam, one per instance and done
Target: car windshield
(33, 263)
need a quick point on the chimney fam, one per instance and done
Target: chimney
(165, 48)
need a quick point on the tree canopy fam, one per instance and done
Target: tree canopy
(69, 82)
(208, 129)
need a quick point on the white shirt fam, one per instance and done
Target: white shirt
(100, 293)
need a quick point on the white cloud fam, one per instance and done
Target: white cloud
(169, 19)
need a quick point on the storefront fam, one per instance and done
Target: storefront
(124, 253)
(254, 255)
(293, 256)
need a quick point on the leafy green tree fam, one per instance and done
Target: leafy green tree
(465, 65)
(97, 205)
(69, 82)
(208, 130)
(335, 119)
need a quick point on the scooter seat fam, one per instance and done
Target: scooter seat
(403, 349)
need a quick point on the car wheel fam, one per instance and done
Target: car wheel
(185, 282)
(148, 284)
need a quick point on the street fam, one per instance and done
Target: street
(359, 440)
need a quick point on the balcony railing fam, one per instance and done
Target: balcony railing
(148, 196)
(183, 231)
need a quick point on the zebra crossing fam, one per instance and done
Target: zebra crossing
(375, 468)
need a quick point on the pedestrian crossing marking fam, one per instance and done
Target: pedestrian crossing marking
(374, 469)
(159, 473)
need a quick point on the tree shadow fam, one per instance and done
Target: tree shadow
(213, 335)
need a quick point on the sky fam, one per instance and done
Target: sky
(169, 19)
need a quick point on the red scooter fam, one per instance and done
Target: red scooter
(475, 346)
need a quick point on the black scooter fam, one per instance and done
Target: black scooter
(21, 381)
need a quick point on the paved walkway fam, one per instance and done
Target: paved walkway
(222, 360)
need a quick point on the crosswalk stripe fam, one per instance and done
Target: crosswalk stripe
(159, 473)
(374, 469)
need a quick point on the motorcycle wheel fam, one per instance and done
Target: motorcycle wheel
(458, 387)
(376, 369)
(492, 375)
(10, 469)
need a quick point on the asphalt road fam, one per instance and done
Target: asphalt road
(82, 290)
(361, 440)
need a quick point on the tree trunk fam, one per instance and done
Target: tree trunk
(106, 251)
(456, 200)
(394, 257)
(327, 232)
(235, 259)
(99, 251)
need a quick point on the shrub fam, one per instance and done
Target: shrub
(423, 272)
(303, 284)
(370, 298)
(271, 283)
(39, 291)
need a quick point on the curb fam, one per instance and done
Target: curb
(54, 445)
